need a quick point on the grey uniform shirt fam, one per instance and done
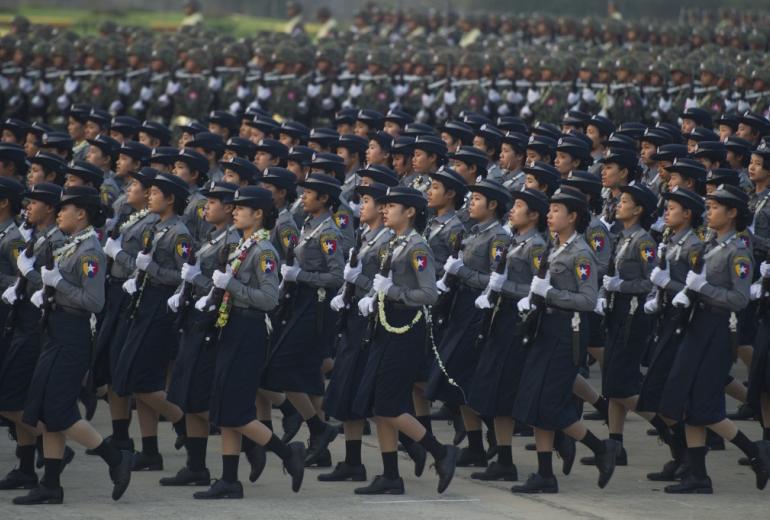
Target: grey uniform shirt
(522, 263)
(374, 240)
(284, 232)
(441, 233)
(573, 277)
(600, 241)
(635, 258)
(513, 181)
(481, 252)
(680, 256)
(319, 253)
(11, 245)
(82, 271)
(255, 285)
(209, 257)
(343, 217)
(171, 246)
(728, 268)
(53, 236)
(194, 217)
(132, 239)
(418, 181)
(759, 204)
(412, 270)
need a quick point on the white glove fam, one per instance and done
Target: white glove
(540, 286)
(382, 283)
(189, 272)
(51, 277)
(215, 83)
(743, 106)
(532, 96)
(453, 265)
(130, 286)
(37, 100)
(609, 102)
(503, 110)
(221, 279)
(172, 87)
(25, 264)
(235, 107)
(9, 295)
(337, 90)
(493, 96)
(764, 269)
(113, 246)
(514, 98)
(496, 281)
(664, 105)
(450, 98)
(174, 301)
(681, 300)
(242, 92)
(25, 85)
(441, 113)
(651, 306)
(611, 283)
(26, 233)
(63, 102)
(589, 96)
(290, 272)
(71, 85)
(660, 277)
(366, 305)
(526, 112)
(482, 302)
(524, 305)
(263, 93)
(400, 91)
(37, 298)
(690, 103)
(441, 285)
(143, 260)
(138, 106)
(313, 90)
(200, 305)
(755, 291)
(355, 90)
(337, 303)
(146, 93)
(124, 87)
(45, 88)
(601, 306)
(428, 100)
(115, 107)
(695, 281)
(327, 103)
(164, 100)
(350, 274)
(572, 98)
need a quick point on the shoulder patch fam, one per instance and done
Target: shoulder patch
(537, 256)
(597, 239)
(742, 266)
(745, 239)
(647, 251)
(267, 262)
(342, 218)
(89, 265)
(693, 257)
(17, 246)
(183, 246)
(583, 268)
(200, 209)
(287, 236)
(419, 260)
(496, 250)
(328, 243)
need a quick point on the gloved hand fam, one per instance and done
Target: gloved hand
(337, 90)
(681, 300)
(400, 91)
(146, 93)
(441, 113)
(9, 295)
(690, 103)
(493, 96)
(496, 281)
(115, 107)
(525, 112)
(124, 87)
(366, 305)
(26, 233)
(532, 96)
(290, 272)
(337, 303)
(450, 98)
(651, 306)
(174, 301)
(503, 110)
(215, 83)
(524, 305)
(130, 286)
(113, 246)
(355, 90)
(350, 274)
(25, 264)
(242, 92)
(453, 265)
(382, 283)
(764, 269)
(235, 107)
(51, 277)
(441, 285)
(327, 103)
(138, 106)
(611, 283)
(172, 87)
(189, 272)
(660, 277)
(664, 105)
(164, 100)
(201, 303)
(482, 302)
(755, 291)
(589, 96)
(513, 97)
(313, 90)
(695, 281)
(572, 98)
(45, 88)
(37, 298)
(143, 260)
(221, 279)
(540, 286)
(70, 85)
(263, 93)
(601, 306)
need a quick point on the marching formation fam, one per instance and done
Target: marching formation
(361, 270)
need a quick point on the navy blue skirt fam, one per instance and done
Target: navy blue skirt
(20, 359)
(109, 327)
(544, 398)
(621, 374)
(190, 385)
(151, 338)
(241, 349)
(458, 350)
(298, 349)
(55, 386)
(349, 365)
(392, 367)
(695, 388)
(759, 375)
(661, 359)
(498, 372)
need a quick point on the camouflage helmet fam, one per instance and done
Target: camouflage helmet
(757, 38)
(284, 54)
(470, 59)
(20, 23)
(140, 50)
(200, 57)
(24, 46)
(97, 49)
(553, 64)
(420, 58)
(357, 55)
(164, 53)
(328, 52)
(444, 57)
(588, 64)
(42, 49)
(626, 62)
(711, 65)
(63, 48)
(237, 51)
(379, 56)
(761, 73)
(658, 68)
(493, 59)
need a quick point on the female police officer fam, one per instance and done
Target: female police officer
(74, 290)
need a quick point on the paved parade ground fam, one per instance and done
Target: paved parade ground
(628, 496)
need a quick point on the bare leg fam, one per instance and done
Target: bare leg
(736, 390)
(231, 441)
(120, 407)
(302, 403)
(197, 424)
(598, 354)
(583, 389)
(158, 402)
(471, 420)
(84, 434)
(354, 430)
(504, 430)
(617, 416)
(421, 405)
(745, 353)
(387, 433)
(696, 436)
(543, 440)
(53, 445)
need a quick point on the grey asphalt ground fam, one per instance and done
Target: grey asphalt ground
(628, 496)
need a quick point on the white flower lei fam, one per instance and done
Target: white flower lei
(69, 247)
(387, 326)
(133, 219)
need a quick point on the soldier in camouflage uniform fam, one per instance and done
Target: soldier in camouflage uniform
(626, 101)
(551, 104)
(95, 86)
(708, 96)
(376, 90)
(154, 102)
(323, 90)
(234, 93)
(286, 91)
(190, 91)
(760, 95)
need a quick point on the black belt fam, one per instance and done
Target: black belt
(400, 306)
(80, 313)
(116, 281)
(713, 309)
(156, 285)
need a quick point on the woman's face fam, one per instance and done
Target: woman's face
(69, 218)
(136, 194)
(559, 219)
(37, 212)
(519, 216)
(35, 174)
(627, 208)
(394, 215)
(370, 210)
(375, 154)
(675, 214)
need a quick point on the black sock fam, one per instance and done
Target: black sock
(52, 472)
(545, 464)
(697, 459)
(247, 444)
(120, 429)
(27, 459)
(150, 445)
(405, 440)
(664, 432)
(109, 453)
(679, 442)
(287, 408)
(602, 405)
(745, 445)
(593, 443)
(230, 468)
(278, 447)
(766, 434)
(353, 453)
(180, 427)
(426, 422)
(196, 451)
(434, 447)
(617, 437)
(268, 423)
(475, 443)
(316, 425)
(504, 456)
(390, 465)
